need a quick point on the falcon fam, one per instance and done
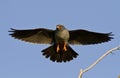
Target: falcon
(60, 40)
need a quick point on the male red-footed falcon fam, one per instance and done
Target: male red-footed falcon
(60, 50)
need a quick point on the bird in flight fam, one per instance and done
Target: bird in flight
(60, 40)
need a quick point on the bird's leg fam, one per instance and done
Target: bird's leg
(58, 48)
(64, 47)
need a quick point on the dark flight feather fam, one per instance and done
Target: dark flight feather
(40, 36)
(85, 37)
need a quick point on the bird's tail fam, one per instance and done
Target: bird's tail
(61, 56)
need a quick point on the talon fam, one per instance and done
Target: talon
(65, 48)
(58, 48)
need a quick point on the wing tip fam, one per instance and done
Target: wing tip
(110, 36)
(11, 30)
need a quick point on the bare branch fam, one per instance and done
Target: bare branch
(97, 61)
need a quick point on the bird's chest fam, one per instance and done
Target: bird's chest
(62, 35)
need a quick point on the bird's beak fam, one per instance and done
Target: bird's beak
(57, 27)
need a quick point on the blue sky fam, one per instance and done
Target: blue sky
(24, 60)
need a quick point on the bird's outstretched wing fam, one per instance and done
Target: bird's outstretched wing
(85, 37)
(40, 36)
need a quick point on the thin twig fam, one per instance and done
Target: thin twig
(97, 61)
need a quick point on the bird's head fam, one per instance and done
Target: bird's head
(60, 27)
